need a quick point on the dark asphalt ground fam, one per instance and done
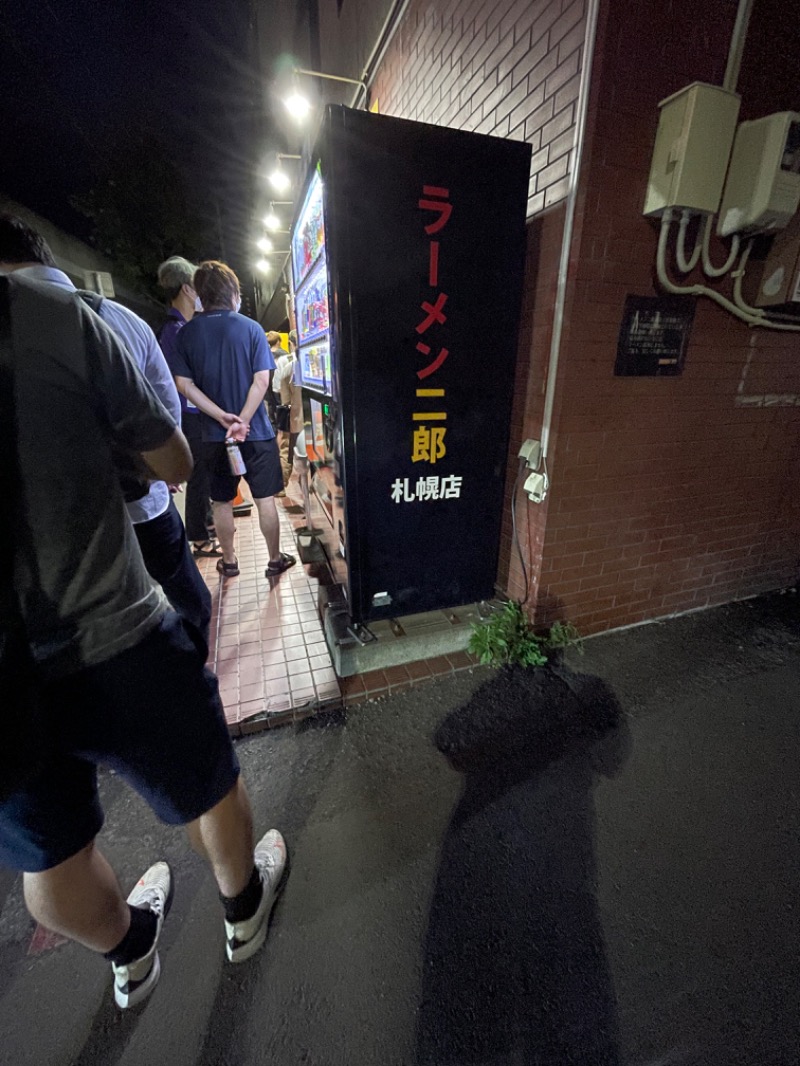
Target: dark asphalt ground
(596, 872)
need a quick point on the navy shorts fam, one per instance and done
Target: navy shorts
(152, 714)
(264, 474)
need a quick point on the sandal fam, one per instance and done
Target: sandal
(207, 549)
(228, 569)
(285, 561)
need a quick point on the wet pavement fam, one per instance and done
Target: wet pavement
(485, 871)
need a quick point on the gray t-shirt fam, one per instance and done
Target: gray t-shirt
(82, 406)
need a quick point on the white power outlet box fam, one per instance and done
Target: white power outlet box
(536, 486)
(763, 187)
(696, 128)
(531, 452)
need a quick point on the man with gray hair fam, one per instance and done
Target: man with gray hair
(175, 278)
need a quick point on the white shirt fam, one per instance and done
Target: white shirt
(141, 342)
(285, 389)
(280, 361)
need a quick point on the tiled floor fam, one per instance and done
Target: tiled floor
(267, 643)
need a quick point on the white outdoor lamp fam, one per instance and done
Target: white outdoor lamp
(299, 105)
(279, 179)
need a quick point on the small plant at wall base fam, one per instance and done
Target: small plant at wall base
(507, 638)
(564, 635)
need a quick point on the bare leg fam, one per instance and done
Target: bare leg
(224, 837)
(270, 526)
(286, 464)
(80, 898)
(226, 529)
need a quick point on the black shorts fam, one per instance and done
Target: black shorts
(264, 474)
(152, 714)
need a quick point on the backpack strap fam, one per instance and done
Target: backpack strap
(93, 299)
(22, 734)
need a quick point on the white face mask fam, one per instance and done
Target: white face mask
(238, 304)
(197, 305)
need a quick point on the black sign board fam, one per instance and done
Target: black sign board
(654, 335)
(424, 229)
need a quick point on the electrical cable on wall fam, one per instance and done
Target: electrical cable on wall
(704, 290)
(517, 484)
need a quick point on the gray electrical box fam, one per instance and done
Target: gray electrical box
(763, 187)
(695, 134)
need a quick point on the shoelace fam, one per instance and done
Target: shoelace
(154, 901)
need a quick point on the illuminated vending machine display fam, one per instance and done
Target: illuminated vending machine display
(406, 234)
(312, 313)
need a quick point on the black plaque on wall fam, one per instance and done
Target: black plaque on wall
(654, 336)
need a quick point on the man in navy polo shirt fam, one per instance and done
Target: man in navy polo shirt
(222, 365)
(175, 278)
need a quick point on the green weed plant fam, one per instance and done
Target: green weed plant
(507, 638)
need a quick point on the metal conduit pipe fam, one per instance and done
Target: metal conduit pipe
(590, 36)
(736, 49)
(710, 270)
(703, 290)
(686, 266)
(382, 42)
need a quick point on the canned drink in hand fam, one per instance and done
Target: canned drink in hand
(235, 461)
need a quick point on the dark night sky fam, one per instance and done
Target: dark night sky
(76, 77)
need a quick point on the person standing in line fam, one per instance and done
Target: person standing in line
(223, 366)
(280, 416)
(290, 410)
(175, 278)
(120, 678)
(274, 342)
(156, 521)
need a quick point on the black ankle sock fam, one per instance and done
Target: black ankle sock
(138, 940)
(240, 908)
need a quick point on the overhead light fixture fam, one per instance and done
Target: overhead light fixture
(299, 105)
(264, 244)
(264, 266)
(271, 221)
(279, 179)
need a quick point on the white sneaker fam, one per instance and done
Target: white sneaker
(134, 982)
(243, 939)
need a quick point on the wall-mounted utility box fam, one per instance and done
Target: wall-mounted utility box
(763, 187)
(696, 128)
(774, 282)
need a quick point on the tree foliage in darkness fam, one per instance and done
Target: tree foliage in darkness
(141, 213)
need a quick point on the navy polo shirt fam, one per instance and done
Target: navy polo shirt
(221, 351)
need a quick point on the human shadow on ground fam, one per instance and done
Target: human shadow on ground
(514, 967)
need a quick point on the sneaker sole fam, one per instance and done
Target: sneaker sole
(124, 999)
(246, 951)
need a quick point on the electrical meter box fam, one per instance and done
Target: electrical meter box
(774, 281)
(763, 187)
(696, 128)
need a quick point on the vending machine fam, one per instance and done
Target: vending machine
(408, 255)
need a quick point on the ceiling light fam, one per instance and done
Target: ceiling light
(297, 105)
(280, 180)
(264, 245)
(272, 221)
(264, 266)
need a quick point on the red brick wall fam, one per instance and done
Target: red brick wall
(505, 67)
(667, 494)
(676, 493)
(509, 68)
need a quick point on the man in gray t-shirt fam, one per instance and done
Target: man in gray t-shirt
(82, 405)
(121, 677)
